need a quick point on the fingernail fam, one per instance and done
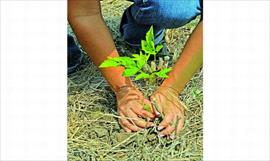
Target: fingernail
(157, 113)
(160, 128)
(172, 136)
(160, 135)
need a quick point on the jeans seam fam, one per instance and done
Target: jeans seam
(143, 2)
(137, 13)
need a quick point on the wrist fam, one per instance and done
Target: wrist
(127, 83)
(169, 88)
(175, 82)
(170, 83)
(127, 93)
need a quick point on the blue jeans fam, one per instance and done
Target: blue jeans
(74, 55)
(162, 14)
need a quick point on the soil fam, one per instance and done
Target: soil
(93, 129)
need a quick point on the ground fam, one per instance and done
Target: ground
(93, 129)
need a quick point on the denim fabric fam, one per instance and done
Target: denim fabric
(74, 55)
(162, 14)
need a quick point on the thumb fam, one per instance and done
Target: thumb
(155, 106)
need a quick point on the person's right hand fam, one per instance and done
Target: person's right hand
(130, 103)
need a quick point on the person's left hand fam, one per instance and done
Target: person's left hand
(171, 109)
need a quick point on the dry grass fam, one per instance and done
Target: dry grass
(93, 129)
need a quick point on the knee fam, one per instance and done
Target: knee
(166, 14)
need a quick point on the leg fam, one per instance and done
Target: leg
(133, 31)
(74, 55)
(161, 13)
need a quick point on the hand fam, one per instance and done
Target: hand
(171, 109)
(130, 103)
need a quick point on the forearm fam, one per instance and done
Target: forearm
(189, 62)
(95, 38)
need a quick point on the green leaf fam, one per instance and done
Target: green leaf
(127, 62)
(142, 75)
(135, 56)
(130, 71)
(150, 40)
(147, 108)
(109, 63)
(144, 46)
(150, 35)
(163, 73)
(152, 45)
(141, 61)
(158, 48)
(124, 61)
(148, 47)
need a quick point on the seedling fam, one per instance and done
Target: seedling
(138, 66)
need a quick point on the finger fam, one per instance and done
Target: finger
(148, 113)
(166, 121)
(180, 125)
(129, 98)
(143, 113)
(167, 131)
(132, 127)
(125, 128)
(155, 106)
(127, 124)
(138, 121)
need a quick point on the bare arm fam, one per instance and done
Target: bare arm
(167, 95)
(87, 23)
(190, 61)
